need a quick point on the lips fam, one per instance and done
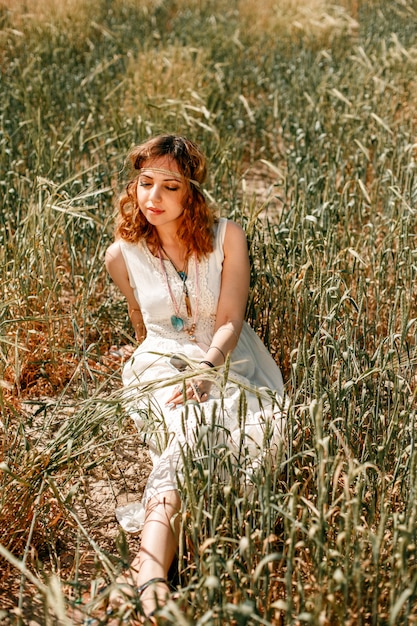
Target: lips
(154, 211)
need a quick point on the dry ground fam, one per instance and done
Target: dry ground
(119, 479)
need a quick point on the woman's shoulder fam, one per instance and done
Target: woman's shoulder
(119, 246)
(114, 250)
(226, 227)
(234, 228)
(114, 255)
(228, 235)
(119, 250)
(233, 234)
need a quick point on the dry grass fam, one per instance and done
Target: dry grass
(316, 18)
(64, 12)
(313, 150)
(319, 19)
(173, 79)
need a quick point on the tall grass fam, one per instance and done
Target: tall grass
(316, 101)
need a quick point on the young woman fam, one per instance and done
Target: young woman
(185, 276)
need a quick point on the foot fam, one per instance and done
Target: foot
(153, 595)
(147, 598)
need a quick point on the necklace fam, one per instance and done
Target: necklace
(183, 275)
(177, 321)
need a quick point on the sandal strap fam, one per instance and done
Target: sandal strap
(152, 581)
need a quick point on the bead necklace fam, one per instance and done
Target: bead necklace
(183, 275)
(177, 321)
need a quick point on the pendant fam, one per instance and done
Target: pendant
(191, 332)
(187, 303)
(177, 323)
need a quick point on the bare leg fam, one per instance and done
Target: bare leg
(159, 543)
(159, 540)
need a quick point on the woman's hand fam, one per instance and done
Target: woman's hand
(196, 389)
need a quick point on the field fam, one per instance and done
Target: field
(307, 111)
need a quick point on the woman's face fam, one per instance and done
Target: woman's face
(161, 194)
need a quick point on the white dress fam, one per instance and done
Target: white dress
(150, 374)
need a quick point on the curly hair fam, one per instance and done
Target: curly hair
(196, 224)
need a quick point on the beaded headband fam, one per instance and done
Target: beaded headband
(175, 175)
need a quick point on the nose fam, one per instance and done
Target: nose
(155, 193)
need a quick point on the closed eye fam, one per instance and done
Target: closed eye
(167, 187)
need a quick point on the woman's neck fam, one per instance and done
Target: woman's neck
(173, 248)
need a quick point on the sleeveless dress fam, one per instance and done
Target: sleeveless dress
(167, 357)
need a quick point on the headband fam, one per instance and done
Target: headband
(175, 175)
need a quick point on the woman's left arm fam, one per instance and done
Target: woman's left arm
(230, 313)
(233, 295)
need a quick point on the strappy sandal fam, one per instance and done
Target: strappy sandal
(133, 596)
(151, 581)
(129, 606)
(142, 588)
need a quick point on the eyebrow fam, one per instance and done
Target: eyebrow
(165, 180)
(179, 178)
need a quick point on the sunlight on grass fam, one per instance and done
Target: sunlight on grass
(316, 18)
(306, 111)
(59, 11)
(51, 11)
(173, 80)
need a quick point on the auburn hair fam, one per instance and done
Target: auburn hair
(196, 222)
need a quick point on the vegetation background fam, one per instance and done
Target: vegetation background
(307, 110)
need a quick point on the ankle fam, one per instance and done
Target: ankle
(149, 569)
(153, 594)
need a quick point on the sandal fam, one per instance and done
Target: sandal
(142, 588)
(125, 604)
(133, 597)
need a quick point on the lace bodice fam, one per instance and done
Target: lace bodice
(149, 282)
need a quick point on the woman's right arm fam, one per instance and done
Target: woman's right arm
(116, 267)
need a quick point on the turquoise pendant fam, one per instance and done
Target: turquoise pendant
(177, 322)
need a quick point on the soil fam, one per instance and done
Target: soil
(120, 479)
